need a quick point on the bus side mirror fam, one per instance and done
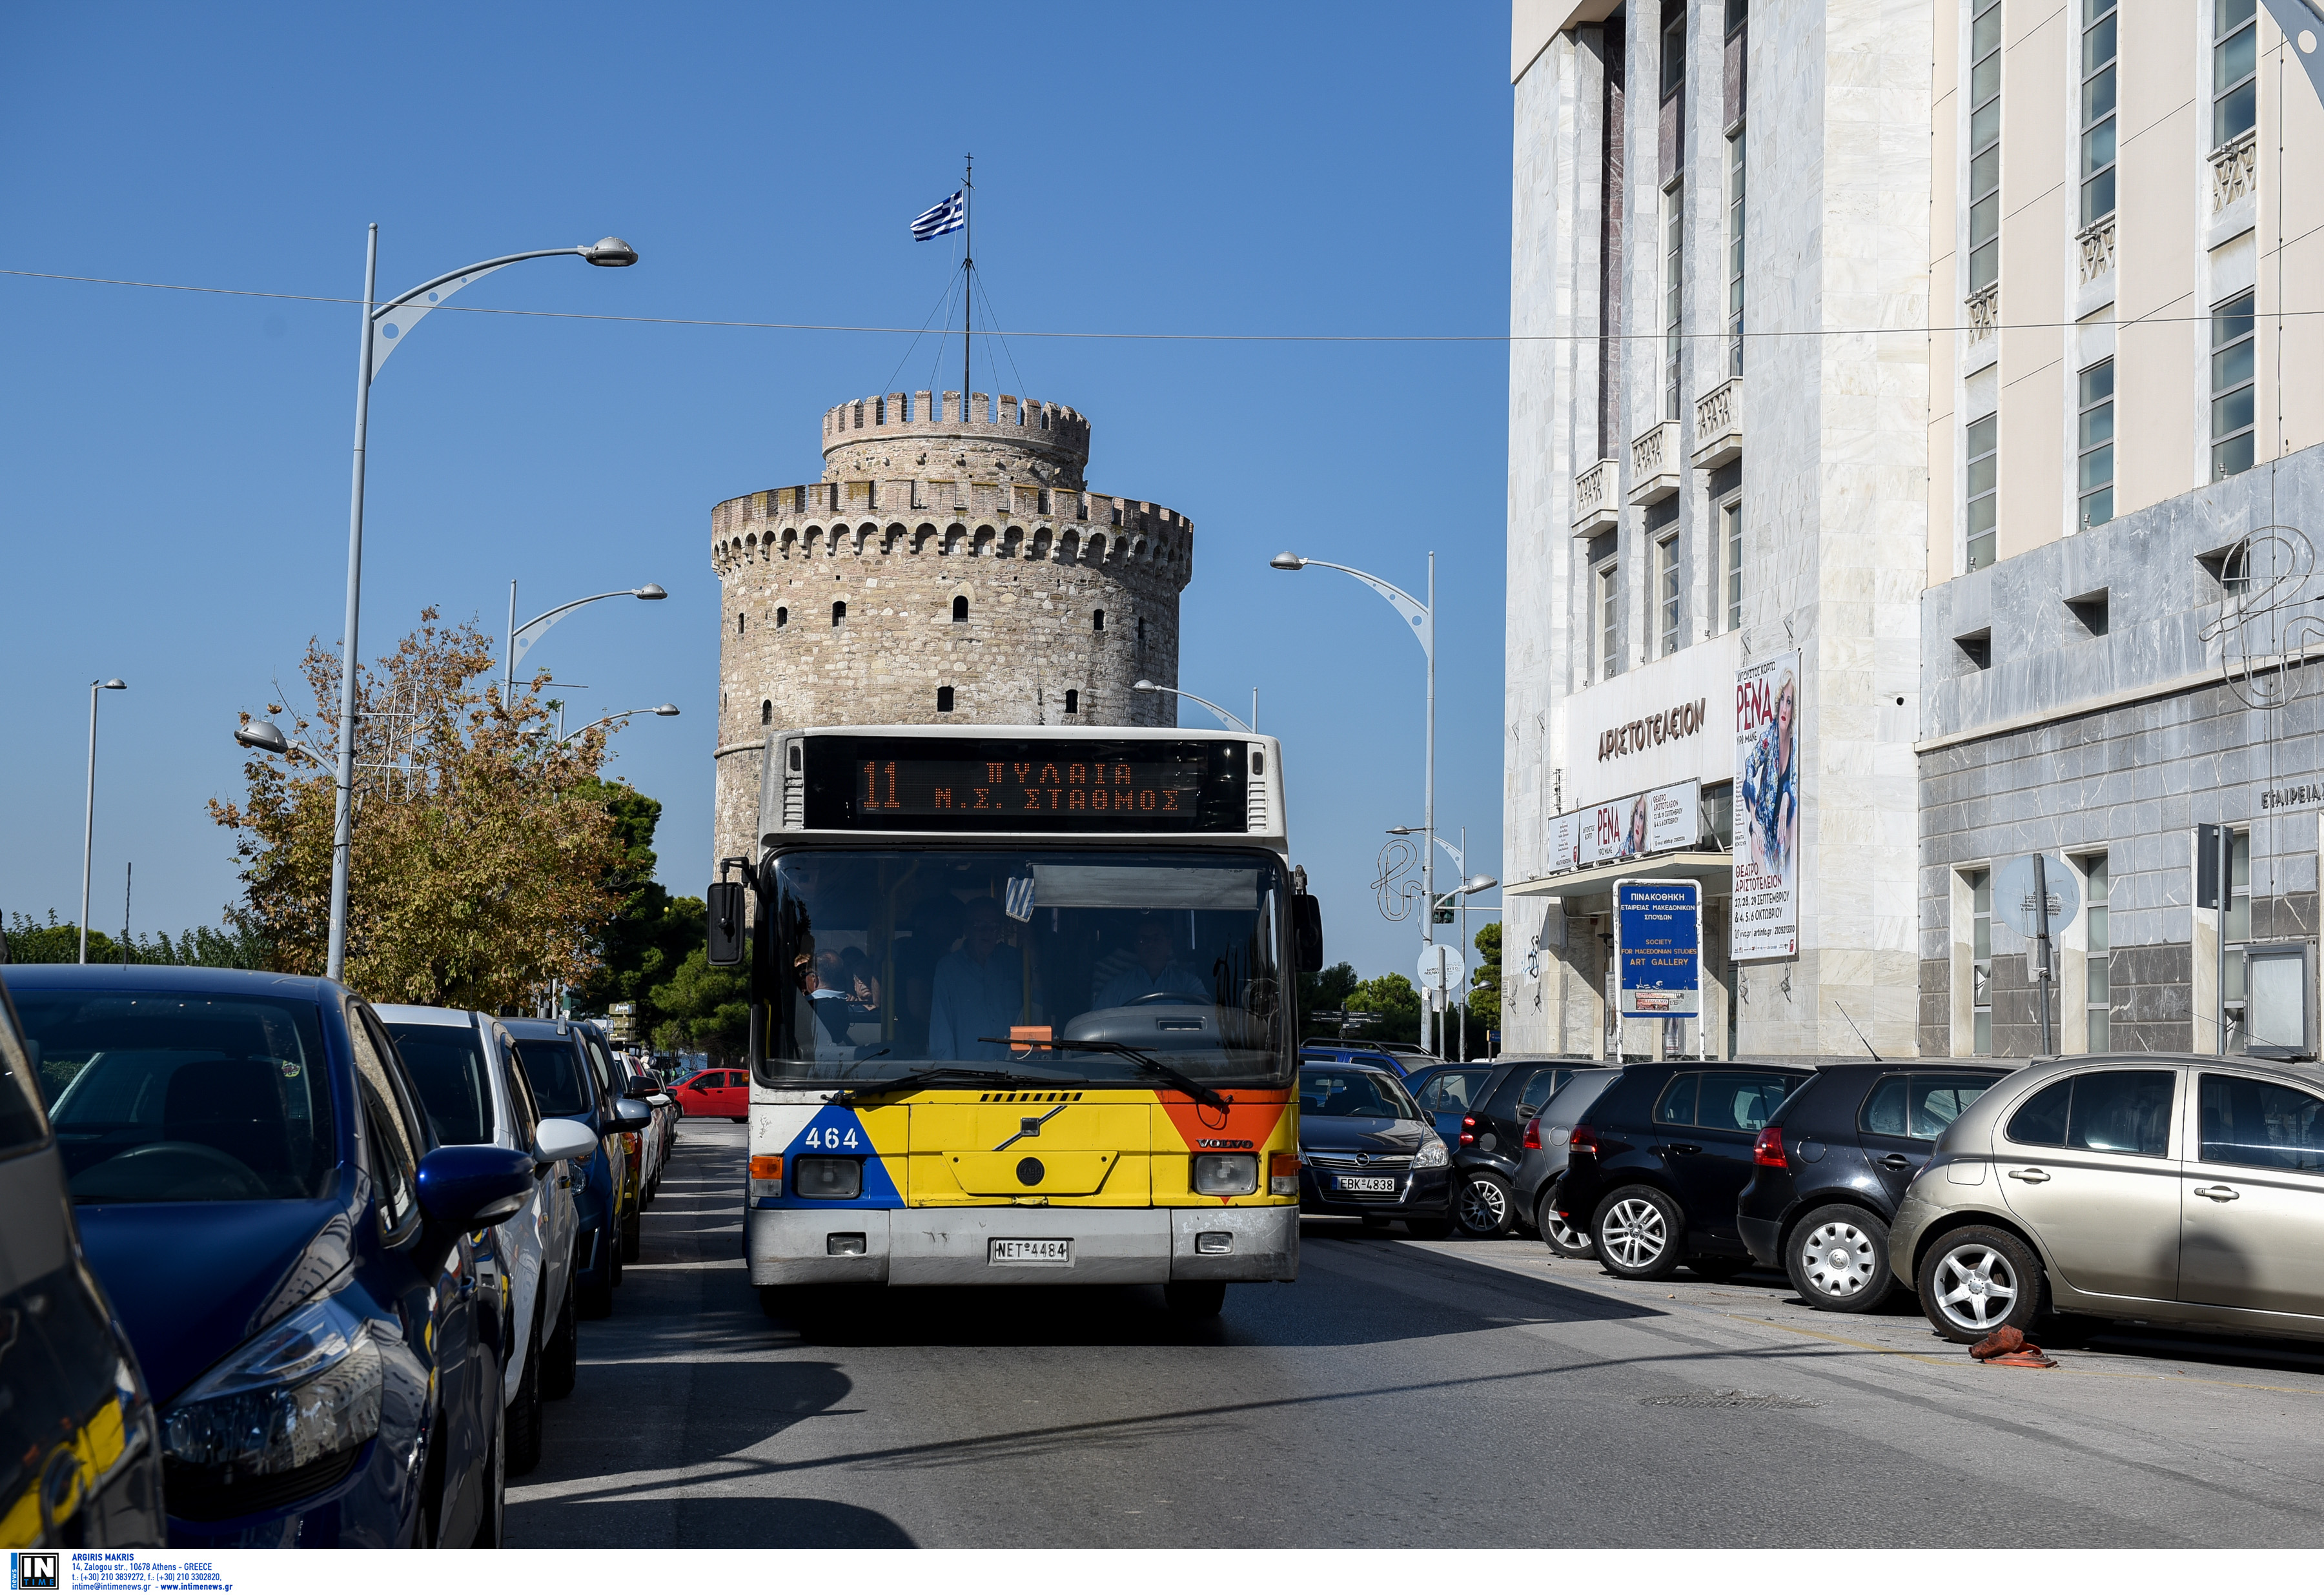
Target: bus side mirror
(1308, 933)
(725, 903)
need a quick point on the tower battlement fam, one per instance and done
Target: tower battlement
(998, 433)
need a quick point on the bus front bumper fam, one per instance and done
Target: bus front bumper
(954, 1245)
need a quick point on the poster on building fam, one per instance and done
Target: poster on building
(1665, 820)
(1769, 789)
(1657, 947)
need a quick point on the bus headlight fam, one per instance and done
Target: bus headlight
(1225, 1173)
(833, 1179)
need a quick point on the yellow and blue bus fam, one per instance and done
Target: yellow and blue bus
(1021, 1011)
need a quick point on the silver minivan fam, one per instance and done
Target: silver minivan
(2168, 1189)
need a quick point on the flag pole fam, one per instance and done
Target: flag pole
(968, 274)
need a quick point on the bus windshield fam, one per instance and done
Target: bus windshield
(878, 963)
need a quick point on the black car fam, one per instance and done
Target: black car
(1366, 1152)
(1832, 1164)
(80, 1454)
(1653, 1166)
(1541, 1162)
(1492, 1138)
(569, 1080)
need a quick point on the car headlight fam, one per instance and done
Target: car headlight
(1225, 1173)
(303, 1391)
(1433, 1154)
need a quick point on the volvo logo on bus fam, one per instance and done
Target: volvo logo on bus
(1224, 1146)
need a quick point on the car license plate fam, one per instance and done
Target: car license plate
(1057, 1253)
(1381, 1183)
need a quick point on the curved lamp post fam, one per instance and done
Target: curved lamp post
(663, 709)
(88, 816)
(521, 638)
(1225, 719)
(384, 325)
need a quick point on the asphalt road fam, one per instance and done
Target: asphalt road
(1402, 1393)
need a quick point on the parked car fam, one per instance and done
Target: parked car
(715, 1093)
(643, 1087)
(567, 1085)
(1654, 1165)
(296, 1260)
(81, 1452)
(2180, 1191)
(1540, 1160)
(1492, 1138)
(1366, 1152)
(1445, 1092)
(1831, 1163)
(474, 1093)
(1399, 1058)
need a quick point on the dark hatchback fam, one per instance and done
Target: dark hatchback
(296, 1261)
(1365, 1151)
(1491, 1141)
(1832, 1164)
(1654, 1165)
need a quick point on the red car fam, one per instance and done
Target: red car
(718, 1094)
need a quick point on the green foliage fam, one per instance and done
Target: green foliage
(1485, 989)
(56, 941)
(705, 1009)
(1395, 1000)
(1327, 992)
(645, 944)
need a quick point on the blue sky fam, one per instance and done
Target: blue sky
(177, 463)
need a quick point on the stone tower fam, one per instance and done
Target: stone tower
(949, 568)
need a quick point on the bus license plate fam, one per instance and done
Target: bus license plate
(1366, 1181)
(1058, 1253)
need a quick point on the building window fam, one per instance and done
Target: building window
(1674, 292)
(740, 622)
(2095, 441)
(1674, 57)
(1985, 146)
(782, 618)
(1738, 12)
(1983, 441)
(2232, 356)
(1730, 540)
(766, 711)
(1981, 962)
(943, 700)
(839, 614)
(2099, 998)
(2098, 110)
(2234, 69)
(1072, 701)
(1609, 612)
(2237, 931)
(1097, 620)
(1666, 587)
(960, 609)
(1735, 252)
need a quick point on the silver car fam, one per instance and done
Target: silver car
(1543, 1159)
(2187, 1191)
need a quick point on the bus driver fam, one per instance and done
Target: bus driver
(980, 990)
(1153, 968)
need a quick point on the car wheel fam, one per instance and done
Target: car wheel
(1976, 1280)
(1482, 1207)
(1638, 1233)
(1559, 1234)
(1838, 1258)
(632, 1238)
(561, 1357)
(521, 1423)
(1194, 1298)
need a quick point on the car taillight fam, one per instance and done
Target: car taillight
(1582, 1142)
(1768, 1151)
(1533, 1134)
(1467, 1130)
(767, 1176)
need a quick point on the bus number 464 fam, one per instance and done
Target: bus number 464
(830, 1140)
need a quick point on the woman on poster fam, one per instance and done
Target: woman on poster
(1771, 785)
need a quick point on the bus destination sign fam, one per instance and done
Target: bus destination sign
(1000, 784)
(1014, 786)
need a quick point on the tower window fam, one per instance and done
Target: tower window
(960, 609)
(1097, 620)
(1072, 701)
(943, 700)
(839, 614)
(766, 711)
(1141, 631)
(782, 618)
(739, 620)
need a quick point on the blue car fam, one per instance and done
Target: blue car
(1446, 1092)
(296, 1261)
(571, 1078)
(1396, 1058)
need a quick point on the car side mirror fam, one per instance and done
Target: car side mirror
(637, 1089)
(469, 1187)
(629, 1115)
(1308, 933)
(725, 901)
(556, 1140)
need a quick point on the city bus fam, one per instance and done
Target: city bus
(1021, 1011)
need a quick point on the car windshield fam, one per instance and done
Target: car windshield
(560, 1081)
(170, 1096)
(882, 963)
(448, 1064)
(1352, 1093)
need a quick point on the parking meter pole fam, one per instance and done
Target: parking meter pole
(2042, 918)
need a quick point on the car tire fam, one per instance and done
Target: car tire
(1482, 1206)
(1838, 1258)
(561, 1356)
(632, 1238)
(1638, 1233)
(521, 1422)
(1194, 1298)
(1436, 1229)
(1556, 1233)
(1976, 1280)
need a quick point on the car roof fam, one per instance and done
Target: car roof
(539, 1030)
(166, 977)
(1364, 1064)
(414, 1013)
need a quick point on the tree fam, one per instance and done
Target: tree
(709, 1009)
(646, 941)
(1485, 991)
(1326, 992)
(30, 941)
(482, 845)
(1395, 1000)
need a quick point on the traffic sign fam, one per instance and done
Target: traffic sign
(2013, 895)
(1444, 956)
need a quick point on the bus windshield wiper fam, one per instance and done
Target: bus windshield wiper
(1143, 1059)
(924, 1079)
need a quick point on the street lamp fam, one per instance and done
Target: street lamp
(383, 326)
(1225, 719)
(521, 638)
(664, 709)
(1422, 618)
(88, 816)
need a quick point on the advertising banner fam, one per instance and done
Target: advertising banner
(1658, 948)
(1769, 789)
(1665, 820)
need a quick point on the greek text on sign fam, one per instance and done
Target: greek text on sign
(1658, 947)
(1652, 731)
(1665, 820)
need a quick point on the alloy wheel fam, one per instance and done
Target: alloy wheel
(1975, 1287)
(1484, 1206)
(1633, 1232)
(1564, 1234)
(1838, 1259)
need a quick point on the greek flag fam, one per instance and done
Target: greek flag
(946, 216)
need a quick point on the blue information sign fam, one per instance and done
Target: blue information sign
(1658, 948)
